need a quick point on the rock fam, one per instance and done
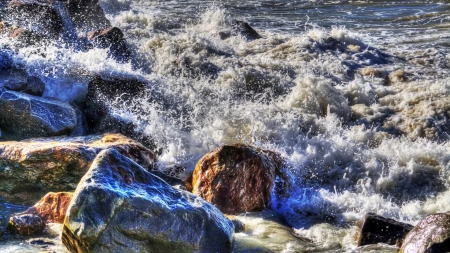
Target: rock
(101, 94)
(32, 168)
(240, 28)
(238, 178)
(120, 207)
(239, 226)
(87, 15)
(113, 39)
(245, 30)
(431, 234)
(41, 16)
(26, 224)
(377, 229)
(52, 207)
(18, 80)
(25, 116)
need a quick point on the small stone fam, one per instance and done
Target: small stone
(239, 226)
(26, 224)
(377, 229)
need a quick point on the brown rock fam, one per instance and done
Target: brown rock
(431, 234)
(52, 207)
(377, 229)
(29, 169)
(237, 178)
(26, 224)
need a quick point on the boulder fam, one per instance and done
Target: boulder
(238, 178)
(377, 229)
(52, 207)
(120, 207)
(37, 15)
(29, 169)
(87, 15)
(431, 234)
(26, 224)
(26, 116)
(113, 39)
(101, 94)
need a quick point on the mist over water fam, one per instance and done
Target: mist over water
(354, 94)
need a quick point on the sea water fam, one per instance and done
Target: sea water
(355, 95)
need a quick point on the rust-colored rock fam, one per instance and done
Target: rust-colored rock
(237, 178)
(52, 207)
(31, 168)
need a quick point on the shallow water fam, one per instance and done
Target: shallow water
(318, 87)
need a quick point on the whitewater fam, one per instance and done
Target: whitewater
(355, 95)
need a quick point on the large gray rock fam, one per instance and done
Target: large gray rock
(430, 235)
(25, 116)
(120, 207)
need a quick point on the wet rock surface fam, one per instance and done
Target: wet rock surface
(431, 234)
(377, 229)
(101, 94)
(87, 14)
(41, 16)
(120, 207)
(30, 169)
(237, 178)
(25, 116)
(26, 224)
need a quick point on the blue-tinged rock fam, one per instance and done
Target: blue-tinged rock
(120, 207)
(24, 116)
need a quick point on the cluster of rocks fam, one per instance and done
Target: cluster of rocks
(114, 203)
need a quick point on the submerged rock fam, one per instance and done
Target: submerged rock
(26, 224)
(377, 229)
(238, 178)
(52, 207)
(113, 39)
(29, 169)
(25, 116)
(240, 28)
(120, 207)
(431, 234)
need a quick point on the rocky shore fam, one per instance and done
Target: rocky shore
(78, 165)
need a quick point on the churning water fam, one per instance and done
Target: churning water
(354, 94)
